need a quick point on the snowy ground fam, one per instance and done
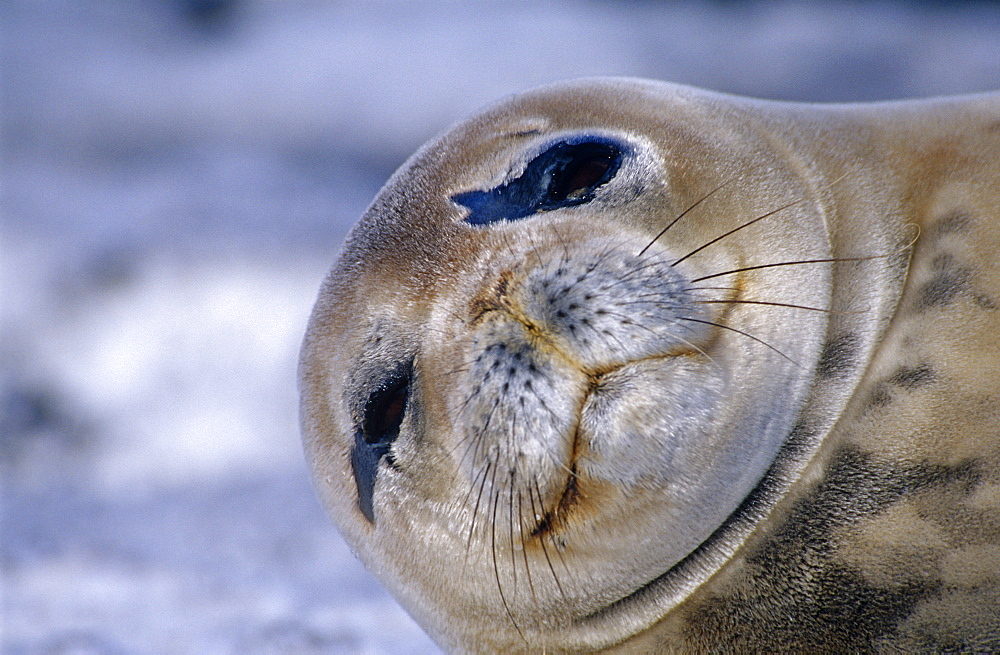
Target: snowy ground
(175, 183)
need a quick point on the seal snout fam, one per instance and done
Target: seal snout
(545, 331)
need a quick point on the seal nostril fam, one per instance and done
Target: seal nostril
(384, 413)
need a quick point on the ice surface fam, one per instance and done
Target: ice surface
(175, 181)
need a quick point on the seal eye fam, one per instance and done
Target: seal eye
(384, 413)
(382, 416)
(578, 172)
(567, 173)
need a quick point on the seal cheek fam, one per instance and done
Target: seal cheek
(641, 420)
(649, 430)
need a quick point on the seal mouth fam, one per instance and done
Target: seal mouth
(552, 519)
(593, 378)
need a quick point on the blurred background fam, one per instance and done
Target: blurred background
(176, 176)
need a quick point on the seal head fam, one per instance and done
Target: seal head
(568, 359)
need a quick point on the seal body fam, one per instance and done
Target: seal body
(619, 364)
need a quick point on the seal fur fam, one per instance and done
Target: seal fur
(619, 364)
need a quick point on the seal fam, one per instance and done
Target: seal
(623, 365)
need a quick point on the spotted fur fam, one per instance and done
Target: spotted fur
(891, 541)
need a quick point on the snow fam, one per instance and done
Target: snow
(173, 187)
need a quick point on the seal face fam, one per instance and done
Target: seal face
(592, 353)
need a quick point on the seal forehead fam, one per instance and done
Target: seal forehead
(496, 145)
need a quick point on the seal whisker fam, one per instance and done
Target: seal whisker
(510, 458)
(510, 526)
(471, 440)
(555, 460)
(524, 548)
(475, 510)
(505, 238)
(493, 547)
(829, 260)
(562, 560)
(605, 254)
(539, 511)
(562, 242)
(655, 302)
(777, 304)
(646, 266)
(651, 298)
(463, 501)
(468, 441)
(486, 424)
(608, 333)
(628, 320)
(733, 289)
(469, 397)
(559, 464)
(746, 334)
(680, 216)
(475, 439)
(455, 371)
(737, 229)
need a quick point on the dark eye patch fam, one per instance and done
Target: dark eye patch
(382, 416)
(566, 174)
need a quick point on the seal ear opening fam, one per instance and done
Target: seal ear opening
(382, 417)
